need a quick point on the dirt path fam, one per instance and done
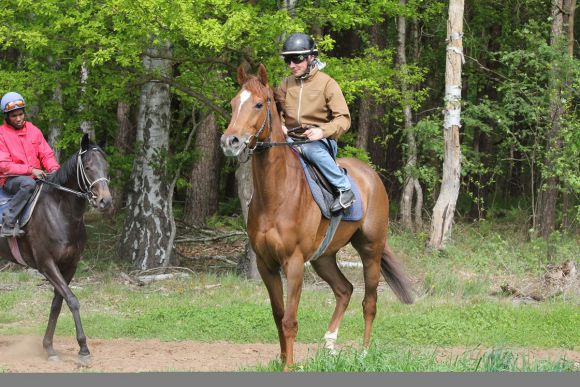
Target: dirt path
(25, 354)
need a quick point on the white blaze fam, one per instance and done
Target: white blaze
(244, 97)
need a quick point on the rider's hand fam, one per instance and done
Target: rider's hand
(314, 133)
(38, 173)
(285, 130)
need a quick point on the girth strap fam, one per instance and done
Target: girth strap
(13, 243)
(330, 231)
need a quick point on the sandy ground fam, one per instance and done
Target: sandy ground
(24, 354)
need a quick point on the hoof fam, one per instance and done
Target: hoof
(331, 351)
(53, 358)
(84, 360)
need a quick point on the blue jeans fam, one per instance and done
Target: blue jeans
(317, 153)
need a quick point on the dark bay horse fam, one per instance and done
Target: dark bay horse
(285, 225)
(55, 235)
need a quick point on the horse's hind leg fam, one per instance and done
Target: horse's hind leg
(55, 308)
(370, 254)
(328, 270)
(273, 282)
(60, 283)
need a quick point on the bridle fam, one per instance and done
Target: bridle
(85, 184)
(260, 146)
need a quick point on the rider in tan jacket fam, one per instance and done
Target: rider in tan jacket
(312, 100)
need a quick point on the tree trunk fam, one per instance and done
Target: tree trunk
(553, 141)
(55, 126)
(247, 264)
(444, 210)
(149, 228)
(371, 114)
(290, 6)
(201, 199)
(124, 143)
(86, 125)
(567, 220)
(411, 181)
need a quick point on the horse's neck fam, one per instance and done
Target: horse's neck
(276, 170)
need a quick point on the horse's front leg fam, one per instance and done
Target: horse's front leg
(294, 270)
(60, 283)
(273, 282)
(55, 309)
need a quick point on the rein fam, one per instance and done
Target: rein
(85, 184)
(267, 144)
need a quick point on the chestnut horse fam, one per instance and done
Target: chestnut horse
(55, 235)
(285, 225)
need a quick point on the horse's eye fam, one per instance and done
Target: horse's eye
(259, 105)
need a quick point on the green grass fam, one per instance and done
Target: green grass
(454, 308)
(239, 311)
(392, 359)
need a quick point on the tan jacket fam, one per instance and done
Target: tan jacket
(316, 100)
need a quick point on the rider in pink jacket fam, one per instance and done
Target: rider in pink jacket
(24, 156)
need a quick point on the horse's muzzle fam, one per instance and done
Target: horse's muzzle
(102, 202)
(233, 145)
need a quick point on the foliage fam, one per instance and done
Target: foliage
(510, 64)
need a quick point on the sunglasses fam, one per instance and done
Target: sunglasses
(296, 59)
(15, 104)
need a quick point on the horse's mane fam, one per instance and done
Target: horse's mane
(68, 169)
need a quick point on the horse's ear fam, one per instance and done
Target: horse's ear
(242, 76)
(263, 75)
(85, 142)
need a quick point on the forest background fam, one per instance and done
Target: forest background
(151, 81)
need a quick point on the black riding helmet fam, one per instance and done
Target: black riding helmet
(299, 43)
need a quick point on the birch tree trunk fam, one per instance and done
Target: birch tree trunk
(86, 125)
(202, 195)
(55, 126)
(411, 182)
(444, 210)
(149, 228)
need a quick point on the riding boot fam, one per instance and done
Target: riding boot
(344, 200)
(22, 187)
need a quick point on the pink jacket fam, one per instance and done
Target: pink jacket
(22, 150)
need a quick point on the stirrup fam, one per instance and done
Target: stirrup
(11, 231)
(344, 200)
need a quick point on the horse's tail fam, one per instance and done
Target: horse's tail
(395, 277)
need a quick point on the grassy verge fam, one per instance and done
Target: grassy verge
(454, 308)
(380, 358)
(239, 311)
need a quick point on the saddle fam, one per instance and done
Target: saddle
(26, 213)
(322, 191)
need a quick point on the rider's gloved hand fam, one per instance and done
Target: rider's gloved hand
(38, 173)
